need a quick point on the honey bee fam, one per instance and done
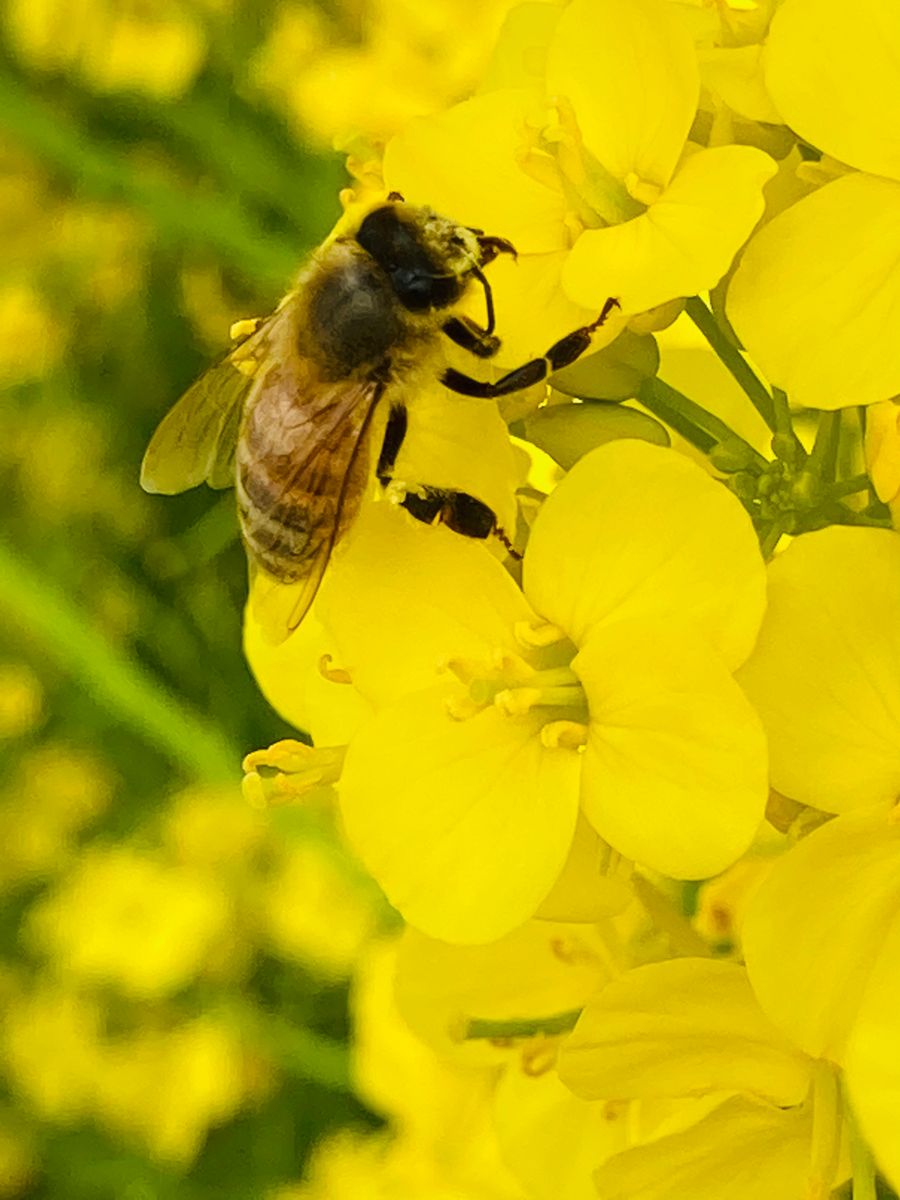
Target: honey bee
(285, 416)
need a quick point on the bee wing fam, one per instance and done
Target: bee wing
(327, 472)
(195, 442)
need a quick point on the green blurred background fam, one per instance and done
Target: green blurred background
(173, 963)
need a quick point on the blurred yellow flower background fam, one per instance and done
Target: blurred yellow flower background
(628, 773)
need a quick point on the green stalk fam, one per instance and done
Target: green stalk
(698, 426)
(525, 1027)
(299, 1051)
(861, 1162)
(733, 360)
(768, 543)
(823, 455)
(132, 696)
(847, 487)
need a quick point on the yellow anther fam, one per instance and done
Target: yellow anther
(246, 366)
(462, 708)
(511, 667)
(564, 735)
(288, 770)
(333, 674)
(538, 635)
(642, 189)
(515, 702)
(538, 1058)
(465, 669)
(286, 755)
(244, 328)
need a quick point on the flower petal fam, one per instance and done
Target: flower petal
(816, 296)
(465, 162)
(747, 1151)
(819, 923)
(674, 769)
(872, 1062)
(405, 596)
(289, 677)
(833, 70)
(629, 69)
(684, 243)
(464, 824)
(825, 675)
(680, 1028)
(637, 532)
(552, 1140)
(532, 309)
(538, 970)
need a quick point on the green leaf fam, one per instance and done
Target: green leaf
(613, 373)
(568, 431)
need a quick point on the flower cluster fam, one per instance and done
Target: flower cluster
(635, 796)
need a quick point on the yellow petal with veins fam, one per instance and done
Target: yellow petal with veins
(816, 296)
(674, 771)
(833, 70)
(681, 1028)
(465, 825)
(834, 900)
(685, 241)
(466, 163)
(637, 532)
(825, 675)
(761, 1151)
(629, 70)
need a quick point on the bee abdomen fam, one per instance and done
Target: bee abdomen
(283, 537)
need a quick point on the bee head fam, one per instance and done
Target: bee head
(425, 269)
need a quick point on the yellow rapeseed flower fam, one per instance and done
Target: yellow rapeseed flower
(605, 687)
(817, 291)
(127, 919)
(590, 175)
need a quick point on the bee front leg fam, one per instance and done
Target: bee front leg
(561, 354)
(471, 337)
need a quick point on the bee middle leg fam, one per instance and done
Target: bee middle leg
(561, 354)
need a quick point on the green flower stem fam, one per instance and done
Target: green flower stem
(827, 1122)
(652, 395)
(861, 1161)
(525, 1027)
(683, 937)
(848, 487)
(823, 456)
(768, 543)
(117, 683)
(299, 1051)
(782, 411)
(733, 360)
(701, 428)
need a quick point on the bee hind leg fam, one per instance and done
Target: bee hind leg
(437, 506)
(459, 511)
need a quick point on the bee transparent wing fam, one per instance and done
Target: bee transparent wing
(195, 442)
(190, 445)
(317, 484)
(220, 472)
